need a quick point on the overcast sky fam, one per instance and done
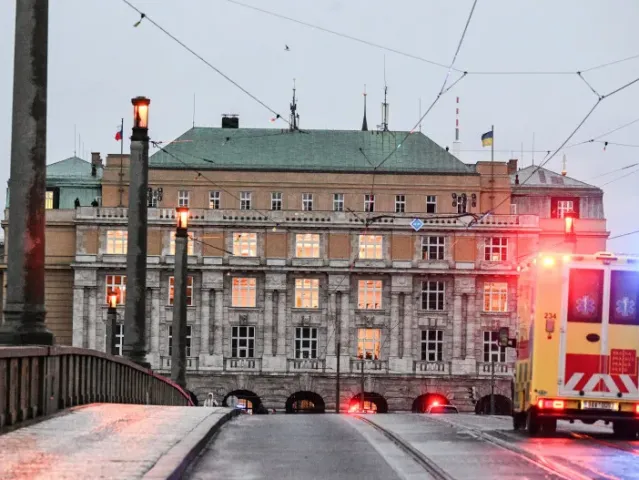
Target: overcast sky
(98, 61)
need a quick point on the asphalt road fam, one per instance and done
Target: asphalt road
(297, 447)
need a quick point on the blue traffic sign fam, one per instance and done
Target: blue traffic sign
(417, 224)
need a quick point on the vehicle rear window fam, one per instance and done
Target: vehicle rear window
(585, 292)
(624, 290)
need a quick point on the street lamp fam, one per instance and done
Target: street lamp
(569, 226)
(178, 354)
(135, 308)
(112, 317)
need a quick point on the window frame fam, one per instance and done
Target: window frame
(189, 290)
(433, 299)
(190, 244)
(49, 199)
(400, 203)
(307, 202)
(189, 340)
(237, 337)
(431, 200)
(245, 290)
(112, 286)
(277, 201)
(490, 293)
(215, 199)
(432, 349)
(307, 293)
(184, 198)
(369, 202)
(245, 200)
(492, 349)
(306, 241)
(244, 241)
(311, 341)
(369, 337)
(368, 242)
(368, 288)
(116, 242)
(338, 202)
(438, 246)
(496, 249)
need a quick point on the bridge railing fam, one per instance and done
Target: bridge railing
(40, 381)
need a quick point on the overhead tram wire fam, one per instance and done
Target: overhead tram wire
(203, 60)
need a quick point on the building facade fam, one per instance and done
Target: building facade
(308, 249)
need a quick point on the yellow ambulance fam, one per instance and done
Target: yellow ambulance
(577, 342)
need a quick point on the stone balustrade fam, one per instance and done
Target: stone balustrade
(501, 369)
(40, 381)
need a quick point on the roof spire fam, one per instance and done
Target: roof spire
(563, 171)
(364, 122)
(295, 117)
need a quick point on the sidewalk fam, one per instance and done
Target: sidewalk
(109, 441)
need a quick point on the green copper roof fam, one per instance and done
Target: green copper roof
(307, 150)
(73, 171)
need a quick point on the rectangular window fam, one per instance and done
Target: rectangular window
(433, 295)
(560, 206)
(116, 242)
(338, 202)
(48, 200)
(400, 203)
(369, 343)
(432, 345)
(369, 294)
(624, 297)
(189, 244)
(369, 203)
(183, 198)
(433, 248)
(244, 293)
(214, 200)
(118, 341)
(306, 293)
(307, 245)
(495, 297)
(189, 290)
(496, 249)
(565, 206)
(153, 198)
(276, 200)
(307, 202)
(245, 244)
(245, 200)
(462, 204)
(370, 247)
(585, 295)
(431, 203)
(243, 342)
(492, 351)
(513, 209)
(115, 284)
(189, 336)
(305, 342)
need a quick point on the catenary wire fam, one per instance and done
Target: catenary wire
(203, 60)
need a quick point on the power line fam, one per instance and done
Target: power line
(634, 232)
(620, 178)
(202, 59)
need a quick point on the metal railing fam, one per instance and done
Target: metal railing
(40, 381)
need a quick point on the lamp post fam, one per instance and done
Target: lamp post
(24, 311)
(569, 229)
(178, 354)
(135, 308)
(111, 325)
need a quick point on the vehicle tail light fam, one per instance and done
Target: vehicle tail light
(637, 409)
(551, 404)
(435, 403)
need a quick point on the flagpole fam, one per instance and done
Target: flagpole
(492, 168)
(121, 160)
(492, 144)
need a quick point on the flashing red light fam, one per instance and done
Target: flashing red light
(435, 403)
(548, 261)
(637, 409)
(551, 404)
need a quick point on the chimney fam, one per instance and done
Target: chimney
(95, 159)
(512, 166)
(230, 120)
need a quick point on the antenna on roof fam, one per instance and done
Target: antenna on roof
(75, 142)
(194, 110)
(420, 114)
(364, 122)
(295, 117)
(533, 149)
(563, 170)
(457, 143)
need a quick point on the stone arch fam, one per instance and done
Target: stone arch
(305, 402)
(422, 402)
(503, 405)
(372, 401)
(248, 400)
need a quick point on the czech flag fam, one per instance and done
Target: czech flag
(487, 139)
(119, 134)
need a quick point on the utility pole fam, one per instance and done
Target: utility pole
(24, 311)
(178, 354)
(361, 399)
(337, 386)
(135, 309)
(492, 385)
(111, 323)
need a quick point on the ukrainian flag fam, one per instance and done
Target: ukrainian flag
(487, 139)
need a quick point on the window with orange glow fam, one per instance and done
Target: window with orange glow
(189, 245)
(369, 294)
(369, 343)
(244, 292)
(116, 242)
(189, 290)
(115, 284)
(496, 249)
(306, 293)
(307, 245)
(370, 247)
(48, 200)
(245, 244)
(495, 297)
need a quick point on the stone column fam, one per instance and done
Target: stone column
(457, 325)
(408, 326)
(268, 324)
(331, 325)
(24, 311)
(345, 327)
(134, 316)
(470, 325)
(394, 325)
(93, 320)
(155, 323)
(205, 321)
(281, 325)
(218, 322)
(78, 317)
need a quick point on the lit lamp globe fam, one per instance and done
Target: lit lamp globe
(113, 300)
(182, 218)
(141, 112)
